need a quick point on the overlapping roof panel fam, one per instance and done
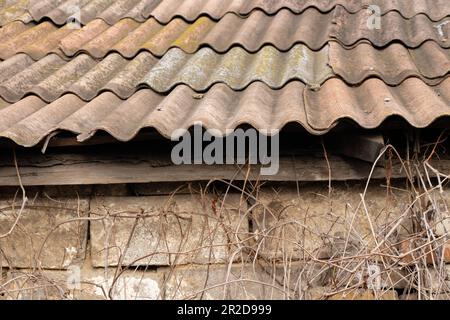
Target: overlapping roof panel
(31, 119)
(372, 102)
(112, 11)
(283, 30)
(351, 28)
(14, 10)
(168, 64)
(393, 64)
(51, 76)
(221, 108)
(128, 37)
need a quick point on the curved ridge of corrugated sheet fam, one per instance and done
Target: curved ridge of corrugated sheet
(392, 64)
(129, 37)
(60, 11)
(37, 41)
(28, 121)
(86, 77)
(14, 10)
(351, 28)
(31, 119)
(112, 11)
(216, 9)
(373, 102)
(283, 31)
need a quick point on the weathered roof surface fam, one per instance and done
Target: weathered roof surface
(169, 64)
(30, 120)
(283, 30)
(351, 28)
(221, 108)
(13, 10)
(372, 102)
(112, 11)
(392, 64)
(128, 37)
(51, 76)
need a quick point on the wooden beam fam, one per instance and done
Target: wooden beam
(87, 169)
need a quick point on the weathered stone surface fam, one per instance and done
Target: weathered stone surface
(437, 280)
(307, 224)
(421, 250)
(244, 281)
(48, 234)
(362, 294)
(329, 293)
(216, 282)
(81, 284)
(169, 231)
(373, 276)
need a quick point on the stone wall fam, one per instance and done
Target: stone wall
(269, 242)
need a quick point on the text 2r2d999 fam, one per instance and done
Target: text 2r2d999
(237, 309)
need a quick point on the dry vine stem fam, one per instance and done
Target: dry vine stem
(403, 254)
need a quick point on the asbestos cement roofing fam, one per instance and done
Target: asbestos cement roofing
(283, 30)
(51, 76)
(111, 11)
(170, 64)
(31, 119)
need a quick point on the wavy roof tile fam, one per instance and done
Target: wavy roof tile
(129, 37)
(31, 119)
(351, 28)
(52, 76)
(14, 10)
(393, 64)
(372, 102)
(169, 64)
(112, 11)
(283, 31)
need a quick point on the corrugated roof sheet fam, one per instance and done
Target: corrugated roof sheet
(30, 120)
(128, 37)
(392, 64)
(52, 76)
(283, 31)
(222, 63)
(350, 28)
(372, 102)
(221, 108)
(113, 10)
(12, 10)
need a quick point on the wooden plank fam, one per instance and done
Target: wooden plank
(82, 169)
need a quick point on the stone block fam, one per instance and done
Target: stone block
(303, 225)
(164, 230)
(49, 233)
(81, 284)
